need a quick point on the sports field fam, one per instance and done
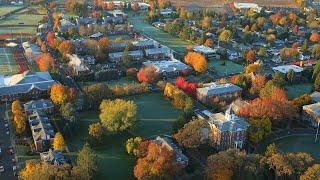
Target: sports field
(113, 161)
(8, 65)
(7, 9)
(140, 24)
(300, 143)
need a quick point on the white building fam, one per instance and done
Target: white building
(253, 6)
(169, 68)
(284, 69)
(206, 51)
(77, 65)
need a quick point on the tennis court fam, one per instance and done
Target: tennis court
(8, 65)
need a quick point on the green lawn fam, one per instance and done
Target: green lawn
(18, 30)
(155, 115)
(27, 19)
(296, 90)
(7, 9)
(121, 81)
(162, 37)
(229, 67)
(300, 144)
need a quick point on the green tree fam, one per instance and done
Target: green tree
(86, 163)
(132, 145)
(302, 100)
(290, 75)
(118, 115)
(262, 52)
(259, 129)
(317, 83)
(316, 70)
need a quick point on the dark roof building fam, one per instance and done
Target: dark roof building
(28, 85)
(53, 157)
(41, 105)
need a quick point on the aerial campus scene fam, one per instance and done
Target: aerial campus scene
(159, 89)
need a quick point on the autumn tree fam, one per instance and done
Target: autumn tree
(209, 43)
(252, 68)
(206, 23)
(135, 7)
(147, 74)
(96, 131)
(45, 62)
(16, 107)
(317, 83)
(187, 87)
(290, 75)
(312, 173)
(158, 163)
(86, 163)
(50, 38)
(66, 47)
(192, 134)
(104, 43)
(260, 21)
(58, 94)
(262, 52)
(225, 36)
(118, 115)
(258, 83)
(58, 142)
(315, 52)
(197, 61)
(314, 37)
(250, 56)
(302, 100)
(132, 145)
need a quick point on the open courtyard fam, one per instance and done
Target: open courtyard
(227, 68)
(155, 116)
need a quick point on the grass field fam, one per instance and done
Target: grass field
(121, 81)
(113, 161)
(139, 23)
(7, 9)
(299, 144)
(8, 65)
(296, 90)
(27, 19)
(229, 67)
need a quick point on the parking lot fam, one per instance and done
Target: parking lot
(6, 154)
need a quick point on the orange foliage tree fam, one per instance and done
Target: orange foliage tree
(50, 38)
(258, 83)
(314, 37)
(277, 107)
(158, 163)
(66, 47)
(250, 56)
(45, 62)
(147, 74)
(197, 61)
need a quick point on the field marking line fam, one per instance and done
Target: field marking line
(7, 57)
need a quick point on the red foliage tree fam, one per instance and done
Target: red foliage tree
(72, 94)
(188, 88)
(147, 74)
(50, 38)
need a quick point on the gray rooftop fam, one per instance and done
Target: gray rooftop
(211, 89)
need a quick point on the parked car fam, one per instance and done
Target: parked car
(1, 169)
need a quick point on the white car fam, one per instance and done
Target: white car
(6, 125)
(8, 132)
(1, 169)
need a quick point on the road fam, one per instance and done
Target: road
(5, 143)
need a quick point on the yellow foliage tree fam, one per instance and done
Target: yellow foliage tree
(20, 123)
(225, 36)
(58, 94)
(16, 107)
(197, 61)
(252, 68)
(58, 142)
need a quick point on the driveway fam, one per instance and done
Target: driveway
(5, 143)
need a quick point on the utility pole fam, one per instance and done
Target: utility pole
(317, 133)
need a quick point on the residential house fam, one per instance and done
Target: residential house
(77, 64)
(158, 53)
(284, 69)
(170, 68)
(96, 35)
(206, 51)
(25, 86)
(53, 157)
(45, 105)
(85, 21)
(311, 113)
(90, 60)
(65, 25)
(227, 130)
(134, 55)
(145, 44)
(167, 141)
(42, 130)
(215, 92)
(167, 13)
(315, 96)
